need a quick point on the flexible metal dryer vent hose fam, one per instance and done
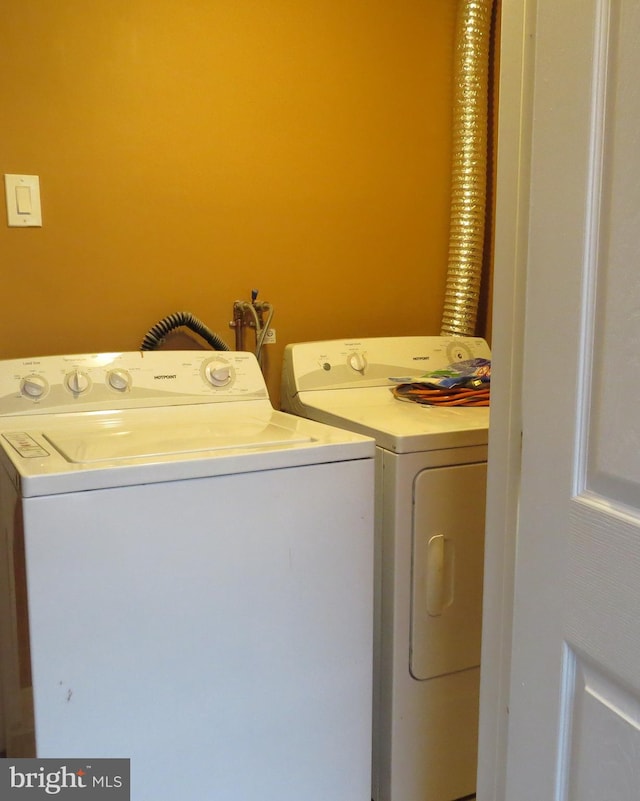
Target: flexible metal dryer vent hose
(155, 335)
(469, 167)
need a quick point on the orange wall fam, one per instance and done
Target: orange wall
(189, 151)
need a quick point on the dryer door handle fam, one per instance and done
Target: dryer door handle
(440, 574)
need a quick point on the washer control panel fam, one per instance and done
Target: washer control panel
(119, 380)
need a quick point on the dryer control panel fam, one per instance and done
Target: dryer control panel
(99, 381)
(372, 362)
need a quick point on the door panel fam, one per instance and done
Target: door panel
(612, 445)
(574, 722)
(606, 721)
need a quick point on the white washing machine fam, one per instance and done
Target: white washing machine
(430, 496)
(186, 578)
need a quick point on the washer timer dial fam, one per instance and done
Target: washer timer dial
(218, 373)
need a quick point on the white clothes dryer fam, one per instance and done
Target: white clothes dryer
(186, 578)
(430, 502)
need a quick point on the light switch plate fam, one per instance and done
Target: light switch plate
(22, 193)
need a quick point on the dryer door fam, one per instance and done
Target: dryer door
(447, 566)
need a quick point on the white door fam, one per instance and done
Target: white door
(574, 699)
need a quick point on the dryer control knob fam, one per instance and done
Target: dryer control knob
(357, 361)
(77, 382)
(218, 373)
(119, 379)
(33, 386)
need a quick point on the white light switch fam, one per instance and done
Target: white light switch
(22, 193)
(23, 199)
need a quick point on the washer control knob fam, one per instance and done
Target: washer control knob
(218, 373)
(357, 361)
(33, 386)
(77, 382)
(119, 379)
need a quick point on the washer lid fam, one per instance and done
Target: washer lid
(87, 444)
(398, 426)
(66, 453)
